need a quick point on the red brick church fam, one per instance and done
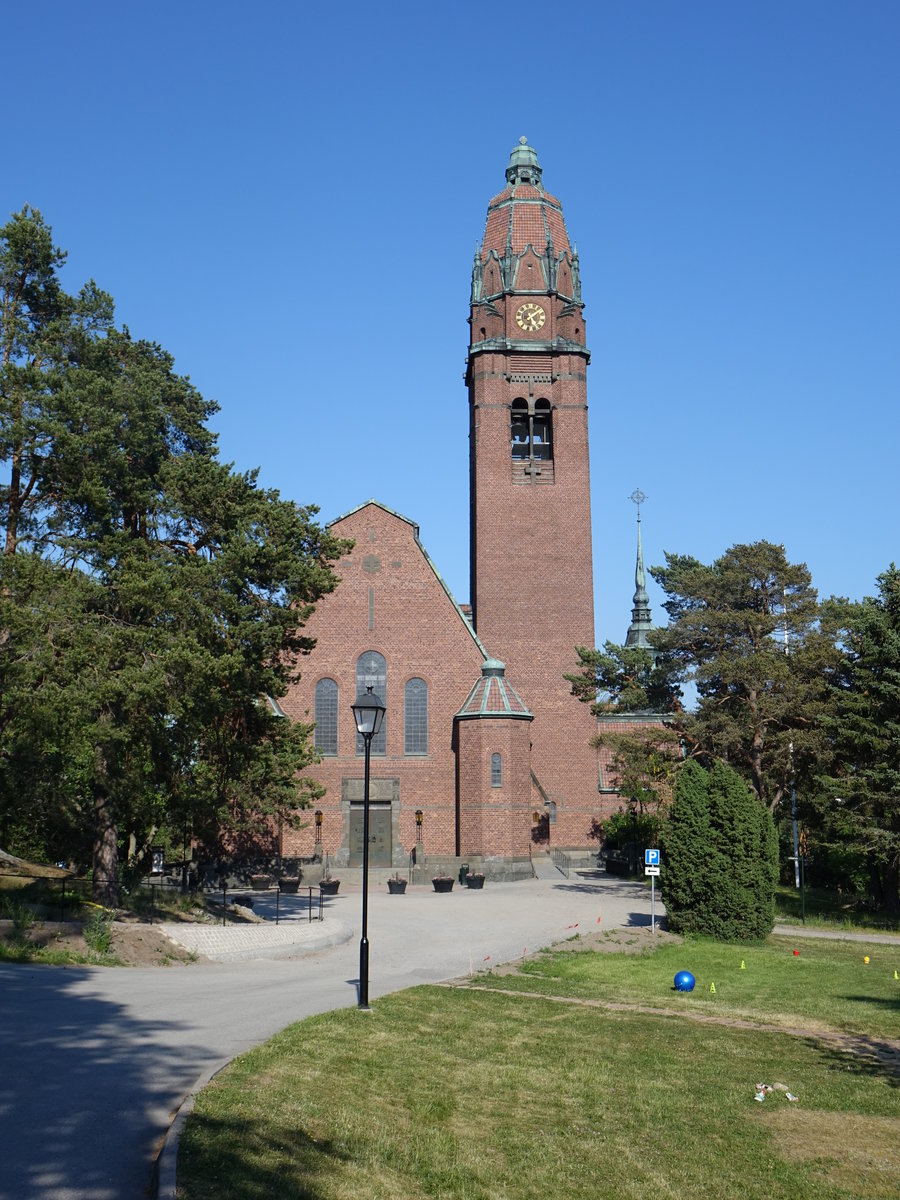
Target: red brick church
(481, 732)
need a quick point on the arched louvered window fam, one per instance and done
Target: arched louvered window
(531, 433)
(496, 770)
(542, 432)
(371, 671)
(415, 717)
(520, 436)
(326, 714)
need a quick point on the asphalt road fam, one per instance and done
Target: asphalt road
(94, 1061)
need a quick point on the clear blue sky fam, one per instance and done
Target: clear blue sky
(288, 196)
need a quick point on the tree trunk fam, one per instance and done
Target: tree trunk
(891, 886)
(105, 888)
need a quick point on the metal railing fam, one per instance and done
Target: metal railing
(238, 893)
(561, 861)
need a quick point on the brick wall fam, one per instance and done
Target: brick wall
(389, 600)
(531, 553)
(494, 820)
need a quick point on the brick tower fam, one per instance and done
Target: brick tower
(531, 566)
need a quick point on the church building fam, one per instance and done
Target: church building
(482, 737)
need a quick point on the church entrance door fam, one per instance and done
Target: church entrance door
(379, 835)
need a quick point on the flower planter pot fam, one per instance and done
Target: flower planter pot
(329, 887)
(475, 881)
(289, 885)
(442, 885)
(259, 883)
(396, 887)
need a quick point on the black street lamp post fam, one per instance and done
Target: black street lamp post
(368, 712)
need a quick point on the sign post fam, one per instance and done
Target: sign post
(651, 868)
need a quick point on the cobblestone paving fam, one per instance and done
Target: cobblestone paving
(230, 943)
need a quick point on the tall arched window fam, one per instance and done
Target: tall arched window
(415, 717)
(496, 771)
(371, 671)
(326, 712)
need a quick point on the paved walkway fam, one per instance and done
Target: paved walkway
(97, 1060)
(836, 935)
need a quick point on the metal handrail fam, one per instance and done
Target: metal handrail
(561, 861)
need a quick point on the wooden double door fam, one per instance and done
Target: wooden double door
(379, 835)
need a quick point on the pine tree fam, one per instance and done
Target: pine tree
(151, 598)
(863, 791)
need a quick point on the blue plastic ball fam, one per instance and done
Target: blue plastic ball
(684, 982)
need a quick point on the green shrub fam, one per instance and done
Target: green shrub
(21, 916)
(721, 857)
(97, 930)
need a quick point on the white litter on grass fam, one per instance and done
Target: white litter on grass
(763, 1090)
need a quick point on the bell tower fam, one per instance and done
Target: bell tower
(530, 537)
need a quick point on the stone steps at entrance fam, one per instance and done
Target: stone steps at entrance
(544, 866)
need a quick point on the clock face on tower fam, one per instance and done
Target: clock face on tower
(530, 317)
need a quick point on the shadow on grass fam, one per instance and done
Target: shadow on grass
(867, 1057)
(241, 1157)
(889, 1002)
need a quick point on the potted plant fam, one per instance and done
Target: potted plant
(259, 883)
(396, 885)
(328, 885)
(475, 879)
(443, 883)
(289, 883)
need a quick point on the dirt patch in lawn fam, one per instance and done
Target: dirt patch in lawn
(848, 1150)
(638, 940)
(134, 943)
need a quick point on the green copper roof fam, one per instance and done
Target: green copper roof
(523, 165)
(641, 622)
(493, 695)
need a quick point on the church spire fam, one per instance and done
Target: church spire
(640, 614)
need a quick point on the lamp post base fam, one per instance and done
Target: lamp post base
(363, 1001)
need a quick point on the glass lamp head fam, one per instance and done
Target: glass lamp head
(368, 712)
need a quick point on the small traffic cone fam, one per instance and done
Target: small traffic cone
(866, 959)
(712, 988)
(896, 976)
(796, 954)
(743, 965)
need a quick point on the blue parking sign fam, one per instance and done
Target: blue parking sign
(651, 858)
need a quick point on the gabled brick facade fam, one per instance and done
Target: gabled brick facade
(391, 600)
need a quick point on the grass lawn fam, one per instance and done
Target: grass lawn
(483, 1091)
(828, 909)
(826, 986)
